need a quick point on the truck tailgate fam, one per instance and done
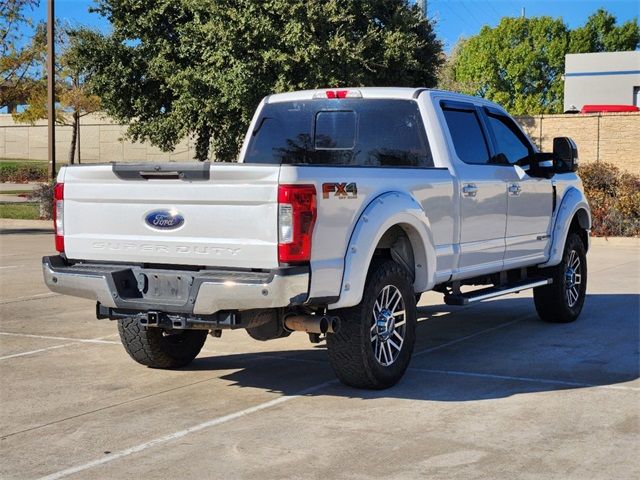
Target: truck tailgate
(225, 218)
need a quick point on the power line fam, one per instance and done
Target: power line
(460, 17)
(471, 13)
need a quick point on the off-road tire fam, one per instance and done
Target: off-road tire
(157, 348)
(551, 300)
(351, 351)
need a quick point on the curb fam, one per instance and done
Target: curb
(616, 241)
(9, 225)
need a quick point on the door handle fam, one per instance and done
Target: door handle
(470, 190)
(514, 189)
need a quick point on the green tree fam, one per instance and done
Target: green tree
(74, 101)
(19, 56)
(601, 34)
(520, 62)
(447, 74)
(177, 68)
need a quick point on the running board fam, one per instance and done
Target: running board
(493, 292)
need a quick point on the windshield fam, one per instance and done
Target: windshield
(352, 132)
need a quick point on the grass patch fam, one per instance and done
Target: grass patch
(59, 163)
(20, 211)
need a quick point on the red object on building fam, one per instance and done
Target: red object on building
(609, 108)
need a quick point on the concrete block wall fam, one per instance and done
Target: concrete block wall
(608, 137)
(101, 140)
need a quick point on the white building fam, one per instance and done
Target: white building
(609, 78)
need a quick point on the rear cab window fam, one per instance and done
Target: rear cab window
(345, 132)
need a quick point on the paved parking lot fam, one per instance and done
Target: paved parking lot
(491, 393)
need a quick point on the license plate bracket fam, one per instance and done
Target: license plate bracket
(165, 287)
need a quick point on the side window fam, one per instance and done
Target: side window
(392, 135)
(467, 135)
(509, 138)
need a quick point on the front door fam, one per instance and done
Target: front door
(482, 189)
(529, 199)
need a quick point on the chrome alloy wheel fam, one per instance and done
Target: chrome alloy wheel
(573, 279)
(388, 325)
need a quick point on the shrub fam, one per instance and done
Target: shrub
(614, 198)
(22, 172)
(43, 194)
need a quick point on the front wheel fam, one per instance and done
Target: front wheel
(562, 300)
(373, 347)
(159, 348)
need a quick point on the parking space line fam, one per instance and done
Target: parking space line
(72, 341)
(47, 337)
(182, 433)
(524, 379)
(29, 297)
(31, 352)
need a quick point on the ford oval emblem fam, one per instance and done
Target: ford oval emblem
(164, 219)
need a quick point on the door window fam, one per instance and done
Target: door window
(467, 135)
(509, 139)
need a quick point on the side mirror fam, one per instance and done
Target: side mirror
(541, 165)
(565, 155)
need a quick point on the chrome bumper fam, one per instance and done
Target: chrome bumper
(205, 291)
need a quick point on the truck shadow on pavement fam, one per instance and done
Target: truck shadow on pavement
(492, 350)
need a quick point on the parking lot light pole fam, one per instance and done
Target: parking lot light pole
(51, 94)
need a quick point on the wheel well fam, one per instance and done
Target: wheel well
(580, 225)
(395, 244)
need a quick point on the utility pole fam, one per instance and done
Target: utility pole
(423, 7)
(51, 90)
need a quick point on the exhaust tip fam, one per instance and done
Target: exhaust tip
(323, 325)
(334, 325)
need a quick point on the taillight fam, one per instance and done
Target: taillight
(58, 215)
(296, 218)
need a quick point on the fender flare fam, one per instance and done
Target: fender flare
(386, 211)
(573, 202)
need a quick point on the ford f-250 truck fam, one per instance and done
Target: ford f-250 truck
(343, 207)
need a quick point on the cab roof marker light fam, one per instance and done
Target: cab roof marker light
(337, 94)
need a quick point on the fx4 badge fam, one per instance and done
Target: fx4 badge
(340, 190)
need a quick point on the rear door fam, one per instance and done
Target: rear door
(529, 199)
(224, 215)
(482, 191)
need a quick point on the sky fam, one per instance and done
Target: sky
(454, 18)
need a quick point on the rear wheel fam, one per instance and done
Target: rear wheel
(159, 348)
(562, 300)
(373, 347)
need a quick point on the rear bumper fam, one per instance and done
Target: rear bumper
(198, 292)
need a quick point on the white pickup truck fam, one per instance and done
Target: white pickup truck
(344, 206)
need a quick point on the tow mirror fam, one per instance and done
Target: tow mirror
(565, 155)
(541, 165)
